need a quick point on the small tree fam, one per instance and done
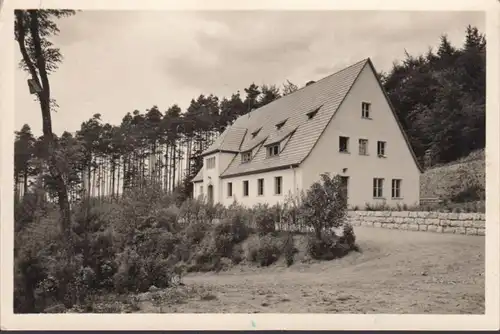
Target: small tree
(324, 204)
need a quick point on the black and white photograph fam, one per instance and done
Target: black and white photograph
(252, 161)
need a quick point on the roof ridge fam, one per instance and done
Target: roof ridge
(313, 84)
(330, 75)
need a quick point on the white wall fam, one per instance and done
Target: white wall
(211, 176)
(399, 163)
(290, 177)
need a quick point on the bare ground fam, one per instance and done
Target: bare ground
(397, 272)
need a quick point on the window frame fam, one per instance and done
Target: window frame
(246, 187)
(278, 185)
(210, 163)
(246, 157)
(346, 146)
(366, 110)
(260, 187)
(396, 186)
(378, 189)
(381, 144)
(229, 189)
(271, 148)
(365, 141)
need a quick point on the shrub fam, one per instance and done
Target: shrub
(264, 219)
(265, 250)
(324, 204)
(237, 254)
(331, 246)
(195, 232)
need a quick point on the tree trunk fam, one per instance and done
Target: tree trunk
(25, 182)
(44, 100)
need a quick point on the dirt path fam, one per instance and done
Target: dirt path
(397, 272)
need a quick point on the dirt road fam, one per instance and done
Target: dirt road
(397, 272)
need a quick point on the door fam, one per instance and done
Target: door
(344, 182)
(210, 194)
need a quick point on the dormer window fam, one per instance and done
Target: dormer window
(273, 150)
(246, 156)
(313, 113)
(256, 132)
(280, 124)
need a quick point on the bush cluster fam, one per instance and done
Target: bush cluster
(145, 241)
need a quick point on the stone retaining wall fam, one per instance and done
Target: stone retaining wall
(440, 222)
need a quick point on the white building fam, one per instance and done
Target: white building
(343, 124)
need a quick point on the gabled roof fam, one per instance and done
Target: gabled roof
(199, 176)
(229, 141)
(326, 94)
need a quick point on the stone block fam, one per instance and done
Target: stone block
(479, 216)
(408, 220)
(481, 231)
(400, 214)
(422, 227)
(422, 214)
(413, 227)
(443, 215)
(467, 223)
(433, 214)
(377, 224)
(460, 230)
(456, 223)
(449, 229)
(367, 223)
(413, 214)
(419, 221)
(390, 226)
(432, 228)
(444, 222)
(453, 216)
(465, 216)
(398, 220)
(478, 224)
(403, 226)
(432, 221)
(471, 231)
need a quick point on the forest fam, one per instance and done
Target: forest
(438, 96)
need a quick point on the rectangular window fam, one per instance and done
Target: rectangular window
(378, 188)
(201, 190)
(363, 146)
(365, 110)
(245, 188)
(344, 144)
(273, 150)
(229, 189)
(396, 188)
(278, 184)
(381, 148)
(211, 163)
(260, 187)
(246, 156)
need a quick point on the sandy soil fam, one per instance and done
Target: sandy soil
(397, 272)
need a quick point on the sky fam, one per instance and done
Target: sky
(119, 61)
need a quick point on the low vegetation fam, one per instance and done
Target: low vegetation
(146, 241)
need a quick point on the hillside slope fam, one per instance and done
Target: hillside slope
(447, 180)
